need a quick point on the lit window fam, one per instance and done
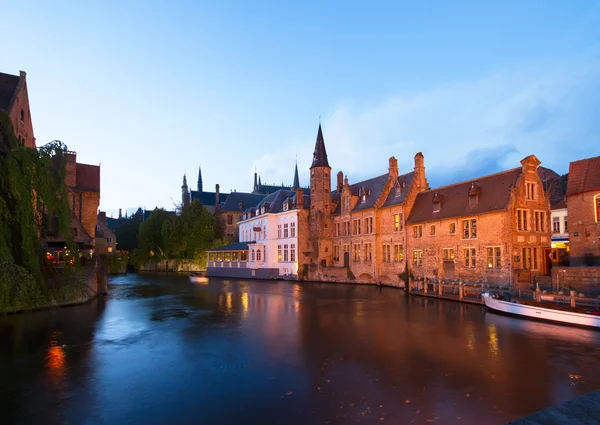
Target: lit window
(418, 258)
(469, 229)
(452, 228)
(494, 258)
(470, 255)
(398, 252)
(432, 230)
(448, 254)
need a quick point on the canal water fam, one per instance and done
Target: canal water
(160, 349)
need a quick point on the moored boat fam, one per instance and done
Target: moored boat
(559, 314)
(198, 277)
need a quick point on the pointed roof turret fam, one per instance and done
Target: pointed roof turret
(200, 179)
(296, 184)
(320, 154)
(259, 182)
(184, 181)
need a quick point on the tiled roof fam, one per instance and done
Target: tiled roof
(320, 154)
(235, 246)
(584, 175)
(113, 223)
(275, 200)
(374, 187)
(88, 177)
(265, 189)
(494, 194)
(208, 198)
(8, 86)
(556, 189)
(560, 205)
(240, 201)
(404, 181)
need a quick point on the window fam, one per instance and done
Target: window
(469, 229)
(357, 227)
(398, 252)
(22, 115)
(368, 252)
(539, 217)
(285, 253)
(356, 252)
(417, 231)
(530, 191)
(567, 221)
(494, 258)
(285, 206)
(346, 202)
(522, 220)
(436, 206)
(397, 222)
(336, 253)
(235, 256)
(252, 255)
(448, 254)
(452, 228)
(109, 240)
(285, 230)
(228, 256)
(470, 257)
(279, 253)
(432, 230)
(363, 198)
(293, 253)
(530, 261)
(74, 231)
(473, 200)
(229, 219)
(397, 191)
(555, 224)
(369, 225)
(346, 248)
(338, 229)
(279, 231)
(387, 257)
(347, 228)
(292, 230)
(244, 256)
(258, 255)
(597, 206)
(418, 258)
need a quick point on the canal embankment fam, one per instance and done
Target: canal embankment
(582, 410)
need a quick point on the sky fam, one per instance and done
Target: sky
(151, 90)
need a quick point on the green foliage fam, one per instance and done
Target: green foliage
(151, 237)
(116, 263)
(32, 194)
(127, 233)
(18, 289)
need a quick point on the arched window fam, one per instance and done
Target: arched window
(597, 207)
(252, 254)
(258, 255)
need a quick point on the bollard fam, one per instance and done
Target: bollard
(424, 285)
(440, 289)
(573, 300)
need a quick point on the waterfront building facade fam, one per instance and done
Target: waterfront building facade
(14, 100)
(492, 229)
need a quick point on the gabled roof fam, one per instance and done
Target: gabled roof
(275, 200)
(494, 195)
(584, 176)
(240, 201)
(208, 198)
(87, 177)
(320, 154)
(404, 181)
(8, 88)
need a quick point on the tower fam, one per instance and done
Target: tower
(321, 218)
(185, 194)
(296, 184)
(200, 180)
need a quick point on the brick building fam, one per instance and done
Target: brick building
(583, 204)
(14, 100)
(494, 228)
(106, 239)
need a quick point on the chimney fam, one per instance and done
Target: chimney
(340, 181)
(216, 196)
(102, 217)
(71, 169)
(393, 168)
(120, 215)
(420, 180)
(300, 198)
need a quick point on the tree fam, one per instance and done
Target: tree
(193, 232)
(127, 233)
(151, 238)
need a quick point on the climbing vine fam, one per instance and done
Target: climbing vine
(33, 197)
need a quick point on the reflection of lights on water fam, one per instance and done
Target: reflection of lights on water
(493, 340)
(296, 306)
(470, 339)
(56, 364)
(229, 301)
(575, 379)
(245, 303)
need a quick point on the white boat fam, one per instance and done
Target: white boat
(557, 315)
(198, 277)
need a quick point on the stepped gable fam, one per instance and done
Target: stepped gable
(8, 88)
(584, 176)
(494, 194)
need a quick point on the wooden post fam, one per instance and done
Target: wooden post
(440, 289)
(573, 300)
(424, 286)
(461, 290)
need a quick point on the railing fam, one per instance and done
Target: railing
(227, 264)
(457, 290)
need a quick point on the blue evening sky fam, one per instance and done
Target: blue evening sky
(151, 89)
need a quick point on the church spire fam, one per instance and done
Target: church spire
(320, 154)
(296, 184)
(184, 182)
(200, 179)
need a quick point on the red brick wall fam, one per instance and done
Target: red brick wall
(581, 279)
(584, 230)
(23, 128)
(321, 221)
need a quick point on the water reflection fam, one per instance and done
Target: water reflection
(163, 350)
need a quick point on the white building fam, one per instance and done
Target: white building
(560, 231)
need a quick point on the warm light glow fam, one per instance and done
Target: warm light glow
(229, 301)
(493, 340)
(245, 303)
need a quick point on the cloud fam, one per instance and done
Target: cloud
(464, 129)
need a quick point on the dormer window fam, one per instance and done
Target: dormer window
(285, 206)
(437, 202)
(474, 193)
(257, 212)
(262, 210)
(346, 202)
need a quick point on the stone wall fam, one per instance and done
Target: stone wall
(584, 230)
(182, 265)
(581, 279)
